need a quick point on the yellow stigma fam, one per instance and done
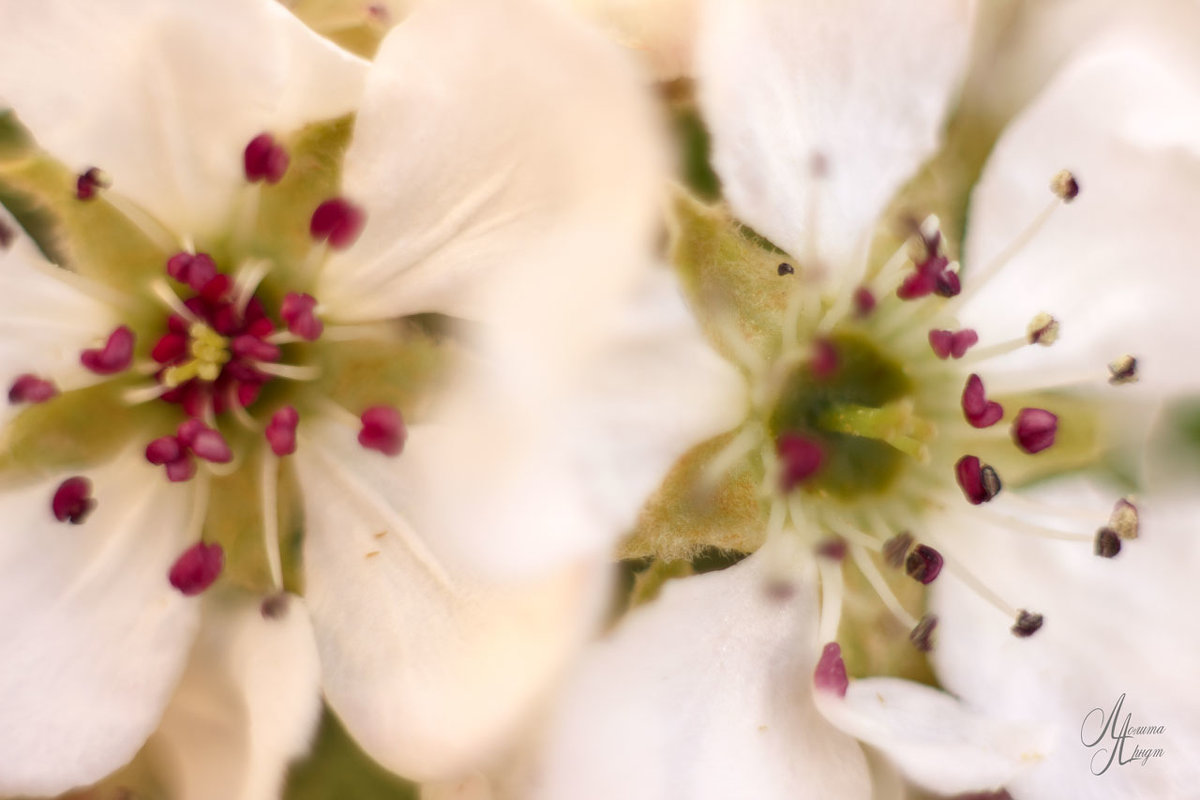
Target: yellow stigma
(209, 351)
(895, 424)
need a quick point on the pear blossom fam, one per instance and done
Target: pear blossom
(280, 353)
(899, 407)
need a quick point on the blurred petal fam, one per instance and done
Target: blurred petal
(662, 32)
(931, 737)
(1113, 626)
(522, 193)
(430, 669)
(247, 705)
(704, 694)
(1128, 126)
(94, 637)
(163, 95)
(861, 85)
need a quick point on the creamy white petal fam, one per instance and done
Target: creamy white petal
(163, 95)
(1112, 627)
(431, 669)
(247, 705)
(1121, 255)
(46, 320)
(552, 476)
(861, 85)
(508, 167)
(662, 32)
(94, 637)
(704, 694)
(933, 738)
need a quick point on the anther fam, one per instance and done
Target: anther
(297, 313)
(29, 388)
(7, 235)
(1124, 519)
(211, 446)
(824, 362)
(194, 269)
(337, 221)
(72, 500)
(1123, 370)
(896, 548)
(922, 635)
(864, 301)
(275, 606)
(281, 431)
(1064, 185)
(1042, 329)
(246, 346)
(1027, 624)
(800, 458)
(265, 159)
(833, 549)
(786, 269)
(978, 410)
(924, 564)
(830, 674)
(382, 430)
(115, 356)
(89, 182)
(1108, 543)
(1034, 429)
(197, 568)
(979, 482)
(952, 344)
(164, 450)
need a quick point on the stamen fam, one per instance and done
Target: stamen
(194, 269)
(833, 590)
(115, 356)
(211, 446)
(90, 182)
(268, 485)
(144, 394)
(1124, 519)
(293, 372)
(1027, 624)
(740, 446)
(867, 567)
(167, 296)
(247, 346)
(864, 302)
(1043, 329)
(924, 564)
(830, 674)
(197, 569)
(1108, 543)
(922, 633)
(800, 457)
(1034, 429)
(1064, 185)
(28, 388)
(952, 344)
(834, 549)
(265, 159)
(824, 362)
(979, 482)
(72, 500)
(337, 221)
(281, 431)
(896, 548)
(382, 430)
(786, 269)
(1123, 370)
(7, 235)
(978, 410)
(297, 312)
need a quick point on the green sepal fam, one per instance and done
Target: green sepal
(91, 237)
(730, 276)
(683, 517)
(337, 767)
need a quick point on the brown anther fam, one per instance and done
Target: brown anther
(922, 635)
(1123, 370)
(7, 235)
(896, 548)
(1108, 543)
(786, 269)
(1124, 519)
(924, 564)
(1042, 329)
(991, 480)
(1064, 185)
(1027, 624)
(275, 606)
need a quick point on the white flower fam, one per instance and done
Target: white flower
(505, 171)
(870, 431)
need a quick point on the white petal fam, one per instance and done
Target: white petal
(662, 32)
(862, 84)
(704, 694)
(1128, 126)
(523, 191)
(45, 320)
(515, 478)
(430, 668)
(94, 637)
(931, 737)
(163, 95)
(1112, 627)
(247, 705)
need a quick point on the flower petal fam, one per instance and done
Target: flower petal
(94, 637)
(248, 704)
(431, 669)
(931, 737)
(703, 694)
(1126, 123)
(1112, 627)
(861, 87)
(525, 191)
(164, 95)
